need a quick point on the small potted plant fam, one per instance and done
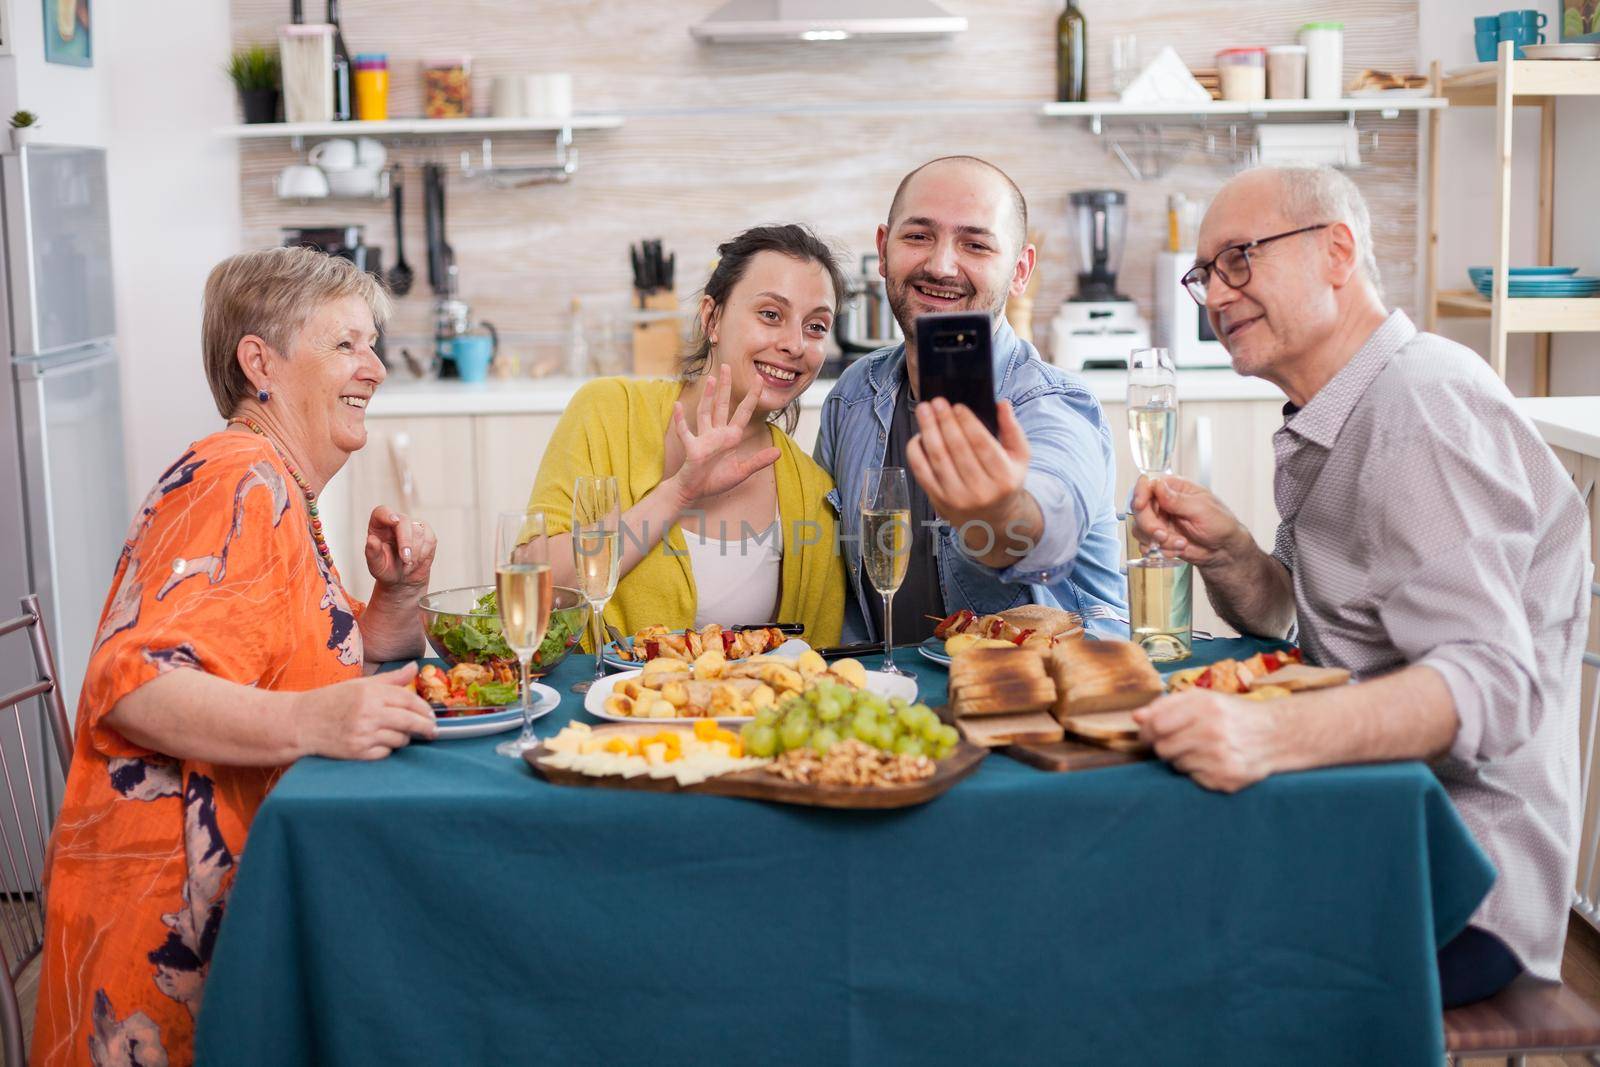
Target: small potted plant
(23, 123)
(255, 74)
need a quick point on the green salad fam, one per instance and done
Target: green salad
(477, 638)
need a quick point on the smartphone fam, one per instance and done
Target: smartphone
(955, 360)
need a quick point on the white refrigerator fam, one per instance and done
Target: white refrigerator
(63, 493)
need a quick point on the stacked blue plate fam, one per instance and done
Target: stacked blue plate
(1524, 282)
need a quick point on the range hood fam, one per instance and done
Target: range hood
(760, 21)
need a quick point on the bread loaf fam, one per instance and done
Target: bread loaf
(1097, 676)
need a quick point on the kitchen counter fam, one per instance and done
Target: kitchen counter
(524, 396)
(1570, 422)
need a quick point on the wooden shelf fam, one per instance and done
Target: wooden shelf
(1112, 109)
(1532, 81)
(1462, 303)
(1525, 314)
(420, 127)
(1544, 315)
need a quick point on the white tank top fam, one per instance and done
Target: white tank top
(736, 582)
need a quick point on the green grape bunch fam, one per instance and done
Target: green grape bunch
(828, 713)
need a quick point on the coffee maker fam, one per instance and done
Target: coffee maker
(346, 242)
(1097, 326)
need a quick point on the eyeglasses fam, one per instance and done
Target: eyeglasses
(1232, 264)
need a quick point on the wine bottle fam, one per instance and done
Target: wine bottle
(1072, 55)
(344, 93)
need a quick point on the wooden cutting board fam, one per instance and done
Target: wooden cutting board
(1113, 729)
(1298, 677)
(992, 731)
(760, 784)
(1071, 754)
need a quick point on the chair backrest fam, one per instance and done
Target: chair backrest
(22, 824)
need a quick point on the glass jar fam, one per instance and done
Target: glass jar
(447, 87)
(1286, 72)
(1243, 73)
(372, 86)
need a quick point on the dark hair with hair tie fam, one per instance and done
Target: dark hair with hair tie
(733, 261)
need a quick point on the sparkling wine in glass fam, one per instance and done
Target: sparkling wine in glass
(596, 554)
(1160, 587)
(886, 543)
(524, 590)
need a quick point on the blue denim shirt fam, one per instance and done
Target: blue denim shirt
(1072, 475)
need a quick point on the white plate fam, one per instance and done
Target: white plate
(1571, 50)
(886, 685)
(790, 649)
(545, 700)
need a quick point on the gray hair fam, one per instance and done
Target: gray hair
(271, 293)
(1313, 195)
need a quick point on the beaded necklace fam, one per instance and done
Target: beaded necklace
(311, 498)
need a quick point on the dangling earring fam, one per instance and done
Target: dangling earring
(263, 396)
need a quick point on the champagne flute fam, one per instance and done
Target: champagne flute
(1152, 415)
(524, 588)
(596, 554)
(1160, 587)
(886, 543)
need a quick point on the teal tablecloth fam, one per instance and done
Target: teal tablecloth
(444, 906)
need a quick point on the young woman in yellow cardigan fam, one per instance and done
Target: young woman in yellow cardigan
(724, 517)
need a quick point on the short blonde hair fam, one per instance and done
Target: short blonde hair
(271, 293)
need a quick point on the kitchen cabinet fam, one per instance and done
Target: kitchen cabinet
(1226, 445)
(426, 468)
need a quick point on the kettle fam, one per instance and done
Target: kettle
(866, 320)
(473, 351)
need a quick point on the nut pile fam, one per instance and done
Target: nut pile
(851, 763)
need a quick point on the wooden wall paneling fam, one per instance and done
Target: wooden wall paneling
(694, 179)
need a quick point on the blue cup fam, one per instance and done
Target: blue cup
(1522, 28)
(473, 353)
(1486, 24)
(1488, 45)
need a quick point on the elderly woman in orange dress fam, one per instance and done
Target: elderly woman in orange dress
(227, 650)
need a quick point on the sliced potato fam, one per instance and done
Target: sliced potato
(810, 663)
(710, 665)
(850, 672)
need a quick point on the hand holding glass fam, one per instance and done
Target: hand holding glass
(1160, 604)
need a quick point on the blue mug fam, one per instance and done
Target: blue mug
(1487, 44)
(1522, 28)
(473, 353)
(1486, 24)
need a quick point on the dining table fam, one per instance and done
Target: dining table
(445, 905)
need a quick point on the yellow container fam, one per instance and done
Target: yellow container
(372, 87)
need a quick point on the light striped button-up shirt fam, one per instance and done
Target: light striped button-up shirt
(1424, 521)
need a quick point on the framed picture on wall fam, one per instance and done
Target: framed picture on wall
(1580, 20)
(67, 38)
(5, 28)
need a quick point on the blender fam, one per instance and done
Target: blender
(1097, 326)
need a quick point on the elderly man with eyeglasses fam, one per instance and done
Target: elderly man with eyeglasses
(1429, 542)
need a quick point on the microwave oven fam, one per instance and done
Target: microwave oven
(1181, 324)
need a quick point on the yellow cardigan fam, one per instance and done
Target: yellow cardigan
(618, 426)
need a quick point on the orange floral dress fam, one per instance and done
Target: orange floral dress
(219, 574)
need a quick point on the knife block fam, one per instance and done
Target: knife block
(657, 340)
